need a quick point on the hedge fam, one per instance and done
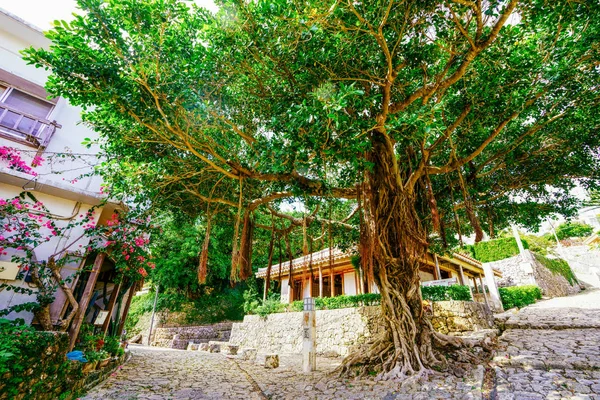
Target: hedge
(494, 250)
(558, 266)
(519, 296)
(573, 229)
(441, 293)
(33, 364)
(432, 293)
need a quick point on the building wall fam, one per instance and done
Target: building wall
(57, 184)
(350, 283)
(62, 208)
(14, 37)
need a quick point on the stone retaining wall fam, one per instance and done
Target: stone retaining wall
(340, 331)
(180, 337)
(452, 317)
(524, 269)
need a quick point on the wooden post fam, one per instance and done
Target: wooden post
(123, 316)
(111, 307)
(85, 299)
(461, 275)
(483, 291)
(437, 267)
(331, 282)
(320, 281)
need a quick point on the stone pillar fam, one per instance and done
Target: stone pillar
(309, 332)
(490, 281)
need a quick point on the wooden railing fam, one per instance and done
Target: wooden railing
(25, 127)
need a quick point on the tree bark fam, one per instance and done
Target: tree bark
(399, 243)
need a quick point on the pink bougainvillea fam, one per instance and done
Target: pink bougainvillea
(13, 158)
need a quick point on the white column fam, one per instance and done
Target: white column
(309, 332)
(490, 281)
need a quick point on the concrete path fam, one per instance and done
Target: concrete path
(551, 350)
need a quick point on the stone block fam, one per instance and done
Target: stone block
(231, 349)
(214, 348)
(193, 346)
(271, 361)
(248, 354)
(203, 347)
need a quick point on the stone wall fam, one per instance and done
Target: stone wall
(453, 317)
(340, 331)
(524, 269)
(179, 337)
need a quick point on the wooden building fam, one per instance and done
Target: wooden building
(328, 273)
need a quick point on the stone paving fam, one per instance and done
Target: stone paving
(156, 373)
(551, 350)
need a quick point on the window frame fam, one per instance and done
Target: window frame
(22, 137)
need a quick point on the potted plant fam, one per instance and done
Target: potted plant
(104, 359)
(93, 357)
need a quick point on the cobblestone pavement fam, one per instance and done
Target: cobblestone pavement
(551, 350)
(154, 373)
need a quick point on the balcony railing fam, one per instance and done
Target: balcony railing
(24, 127)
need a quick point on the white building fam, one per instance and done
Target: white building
(37, 125)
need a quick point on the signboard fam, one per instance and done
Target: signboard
(440, 282)
(9, 270)
(101, 318)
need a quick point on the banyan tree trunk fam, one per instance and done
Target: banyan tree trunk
(398, 244)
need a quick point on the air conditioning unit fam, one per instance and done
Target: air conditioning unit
(9, 270)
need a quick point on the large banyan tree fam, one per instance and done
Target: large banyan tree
(438, 118)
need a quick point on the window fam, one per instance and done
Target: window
(25, 116)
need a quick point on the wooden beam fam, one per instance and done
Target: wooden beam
(85, 300)
(111, 306)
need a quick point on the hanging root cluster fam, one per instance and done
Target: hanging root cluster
(392, 236)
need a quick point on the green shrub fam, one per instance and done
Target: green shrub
(442, 293)
(558, 266)
(573, 229)
(519, 296)
(434, 293)
(540, 244)
(112, 344)
(269, 306)
(26, 355)
(494, 250)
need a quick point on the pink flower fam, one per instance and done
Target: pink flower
(127, 257)
(143, 272)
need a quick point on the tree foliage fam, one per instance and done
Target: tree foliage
(436, 118)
